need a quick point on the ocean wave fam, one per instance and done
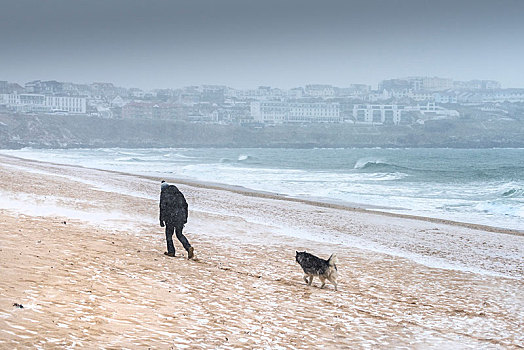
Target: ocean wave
(362, 163)
(180, 155)
(244, 158)
(126, 153)
(377, 166)
(513, 193)
(503, 209)
(130, 159)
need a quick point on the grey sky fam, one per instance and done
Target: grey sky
(243, 43)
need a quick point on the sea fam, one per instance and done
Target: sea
(477, 186)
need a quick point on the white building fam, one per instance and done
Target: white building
(37, 103)
(260, 94)
(436, 83)
(432, 110)
(118, 102)
(320, 90)
(377, 114)
(277, 112)
(442, 97)
(384, 95)
(392, 114)
(3, 99)
(502, 95)
(478, 85)
(417, 83)
(422, 96)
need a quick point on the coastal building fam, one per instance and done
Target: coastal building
(320, 90)
(69, 104)
(262, 93)
(384, 95)
(10, 88)
(377, 114)
(118, 102)
(477, 85)
(39, 103)
(136, 93)
(400, 94)
(430, 110)
(420, 96)
(278, 112)
(392, 114)
(44, 87)
(501, 95)
(445, 97)
(416, 84)
(400, 85)
(4, 87)
(107, 91)
(436, 84)
(213, 93)
(357, 91)
(295, 93)
(376, 96)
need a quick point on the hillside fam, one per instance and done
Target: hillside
(44, 131)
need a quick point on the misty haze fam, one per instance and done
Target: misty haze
(261, 174)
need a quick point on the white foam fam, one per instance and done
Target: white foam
(95, 184)
(34, 205)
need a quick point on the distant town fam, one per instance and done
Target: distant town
(401, 101)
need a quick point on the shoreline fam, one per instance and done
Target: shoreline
(334, 204)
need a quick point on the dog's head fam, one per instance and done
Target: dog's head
(299, 256)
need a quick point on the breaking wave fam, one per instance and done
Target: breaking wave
(377, 165)
(130, 159)
(513, 193)
(243, 157)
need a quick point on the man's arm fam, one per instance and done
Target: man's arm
(185, 207)
(161, 205)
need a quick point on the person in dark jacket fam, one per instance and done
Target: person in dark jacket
(173, 215)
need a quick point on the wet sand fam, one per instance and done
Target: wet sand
(82, 251)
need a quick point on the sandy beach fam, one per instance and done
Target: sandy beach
(82, 251)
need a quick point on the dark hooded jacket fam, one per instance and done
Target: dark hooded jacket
(173, 206)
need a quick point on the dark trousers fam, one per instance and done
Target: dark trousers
(169, 238)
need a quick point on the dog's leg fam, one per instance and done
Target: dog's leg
(305, 279)
(334, 281)
(323, 280)
(310, 280)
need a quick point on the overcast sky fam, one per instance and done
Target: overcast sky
(243, 43)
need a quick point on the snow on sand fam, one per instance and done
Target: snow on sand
(81, 250)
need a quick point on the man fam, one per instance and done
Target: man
(173, 215)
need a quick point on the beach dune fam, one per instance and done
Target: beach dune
(81, 256)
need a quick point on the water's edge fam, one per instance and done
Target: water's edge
(326, 203)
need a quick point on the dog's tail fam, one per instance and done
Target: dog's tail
(333, 260)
